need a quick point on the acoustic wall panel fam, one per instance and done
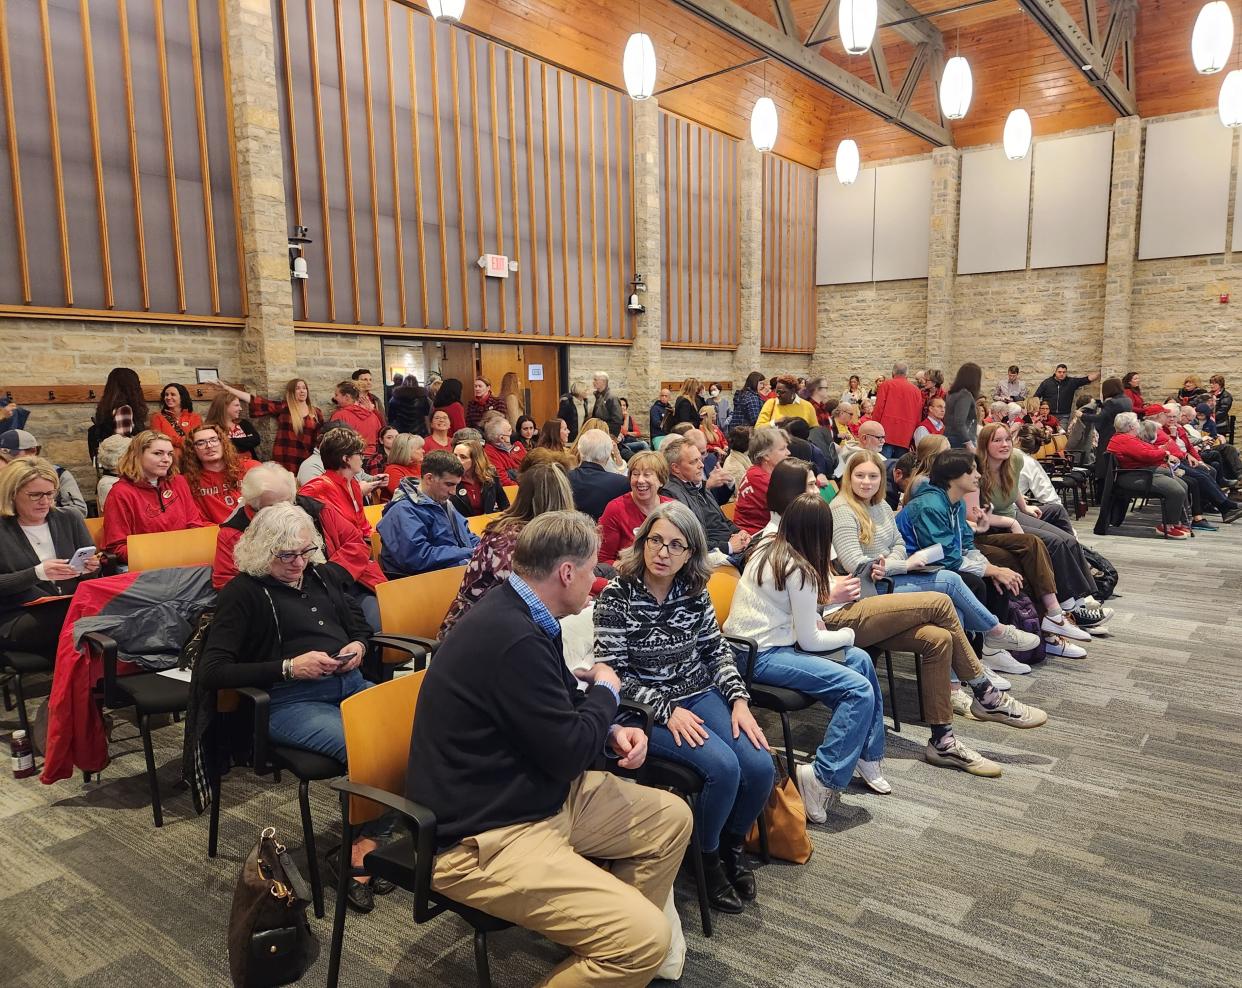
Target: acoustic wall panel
(845, 229)
(1237, 213)
(902, 220)
(1069, 218)
(992, 224)
(1185, 188)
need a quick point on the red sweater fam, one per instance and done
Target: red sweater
(139, 509)
(506, 464)
(620, 520)
(898, 407)
(1131, 452)
(752, 513)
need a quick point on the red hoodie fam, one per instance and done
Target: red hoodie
(506, 464)
(138, 509)
(363, 420)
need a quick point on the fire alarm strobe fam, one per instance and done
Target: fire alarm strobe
(1224, 298)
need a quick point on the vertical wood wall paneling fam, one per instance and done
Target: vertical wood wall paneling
(312, 32)
(700, 207)
(92, 108)
(135, 174)
(295, 172)
(666, 272)
(494, 97)
(170, 163)
(204, 163)
(15, 169)
(535, 323)
(439, 155)
(577, 119)
(513, 186)
(416, 152)
(369, 113)
(227, 90)
(595, 306)
(454, 78)
(58, 176)
(398, 231)
(560, 130)
(625, 231)
(350, 219)
(788, 273)
(607, 225)
(547, 192)
(471, 44)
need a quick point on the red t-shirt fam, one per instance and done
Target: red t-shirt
(216, 498)
(431, 445)
(620, 520)
(751, 513)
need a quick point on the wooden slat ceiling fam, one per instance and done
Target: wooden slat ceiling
(1008, 54)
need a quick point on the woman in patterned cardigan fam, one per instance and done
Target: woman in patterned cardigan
(655, 625)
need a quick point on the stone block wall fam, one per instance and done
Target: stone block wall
(326, 358)
(864, 328)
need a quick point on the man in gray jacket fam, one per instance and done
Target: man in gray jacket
(685, 484)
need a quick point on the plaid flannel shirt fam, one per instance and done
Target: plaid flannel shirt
(288, 449)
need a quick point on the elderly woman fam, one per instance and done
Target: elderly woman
(768, 446)
(540, 489)
(504, 454)
(108, 459)
(623, 515)
(148, 497)
(286, 624)
(655, 625)
(37, 543)
(1132, 453)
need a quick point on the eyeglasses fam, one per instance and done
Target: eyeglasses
(881, 437)
(204, 443)
(37, 496)
(296, 554)
(674, 548)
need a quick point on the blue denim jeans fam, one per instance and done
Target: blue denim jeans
(970, 611)
(850, 688)
(737, 776)
(306, 713)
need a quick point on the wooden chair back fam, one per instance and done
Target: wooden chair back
(728, 509)
(378, 725)
(511, 491)
(161, 550)
(477, 523)
(95, 527)
(720, 588)
(372, 513)
(416, 605)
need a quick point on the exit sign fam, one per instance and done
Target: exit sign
(495, 265)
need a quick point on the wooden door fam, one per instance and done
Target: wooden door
(458, 362)
(541, 396)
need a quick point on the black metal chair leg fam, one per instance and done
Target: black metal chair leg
(338, 918)
(481, 968)
(700, 877)
(213, 820)
(892, 691)
(312, 858)
(144, 725)
(20, 695)
(8, 697)
(790, 762)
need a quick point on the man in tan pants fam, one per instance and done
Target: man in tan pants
(500, 752)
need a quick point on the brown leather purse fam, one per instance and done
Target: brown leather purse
(785, 816)
(269, 937)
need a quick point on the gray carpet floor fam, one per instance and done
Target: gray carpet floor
(1109, 854)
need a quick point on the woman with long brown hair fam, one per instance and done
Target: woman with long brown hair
(298, 421)
(961, 418)
(122, 408)
(214, 472)
(553, 435)
(480, 490)
(226, 412)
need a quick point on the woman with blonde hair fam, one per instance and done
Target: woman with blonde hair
(405, 460)
(624, 514)
(511, 395)
(716, 440)
(542, 488)
(688, 402)
(480, 490)
(615, 464)
(149, 496)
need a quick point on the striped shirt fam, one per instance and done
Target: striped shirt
(664, 653)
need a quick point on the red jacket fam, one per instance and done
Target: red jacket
(506, 464)
(363, 420)
(752, 513)
(898, 407)
(620, 520)
(138, 509)
(1131, 452)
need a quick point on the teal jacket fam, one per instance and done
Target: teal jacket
(930, 517)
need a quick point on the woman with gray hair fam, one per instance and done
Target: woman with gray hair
(286, 624)
(1132, 453)
(768, 447)
(656, 627)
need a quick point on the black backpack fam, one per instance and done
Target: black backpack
(1105, 573)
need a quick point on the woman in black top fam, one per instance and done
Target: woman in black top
(961, 417)
(689, 401)
(409, 407)
(225, 411)
(1115, 402)
(286, 624)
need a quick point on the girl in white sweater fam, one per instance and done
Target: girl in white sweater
(777, 604)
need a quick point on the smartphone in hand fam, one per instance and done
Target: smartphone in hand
(77, 562)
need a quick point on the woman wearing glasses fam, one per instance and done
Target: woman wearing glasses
(655, 625)
(214, 472)
(286, 624)
(37, 540)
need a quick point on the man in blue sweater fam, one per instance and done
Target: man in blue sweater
(503, 740)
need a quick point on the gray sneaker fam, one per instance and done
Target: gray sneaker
(816, 797)
(962, 758)
(1009, 711)
(1007, 636)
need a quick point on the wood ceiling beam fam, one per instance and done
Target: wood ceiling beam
(759, 34)
(916, 29)
(823, 23)
(1064, 31)
(785, 17)
(879, 65)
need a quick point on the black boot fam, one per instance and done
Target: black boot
(720, 892)
(736, 866)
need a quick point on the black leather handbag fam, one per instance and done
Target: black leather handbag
(270, 942)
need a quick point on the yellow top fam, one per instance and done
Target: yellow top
(798, 409)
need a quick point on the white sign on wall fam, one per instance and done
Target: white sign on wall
(534, 372)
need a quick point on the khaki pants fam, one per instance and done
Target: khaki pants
(537, 876)
(925, 623)
(1025, 554)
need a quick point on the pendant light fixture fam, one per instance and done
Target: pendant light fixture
(639, 67)
(763, 120)
(956, 85)
(1230, 104)
(1017, 137)
(847, 162)
(1212, 38)
(856, 22)
(446, 10)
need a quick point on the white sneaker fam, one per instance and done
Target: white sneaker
(816, 797)
(1056, 645)
(1065, 628)
(961, 700)
(998, 682)
(1000, 660)
(1007, 636)
(872, 773)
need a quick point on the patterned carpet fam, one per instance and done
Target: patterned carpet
(1110, 853)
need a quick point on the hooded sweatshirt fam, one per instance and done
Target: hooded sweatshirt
(418, 535)
(930, 517)
(362, 420)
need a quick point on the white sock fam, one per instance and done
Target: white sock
(1069, 605)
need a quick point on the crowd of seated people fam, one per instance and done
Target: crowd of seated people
(911, 524)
